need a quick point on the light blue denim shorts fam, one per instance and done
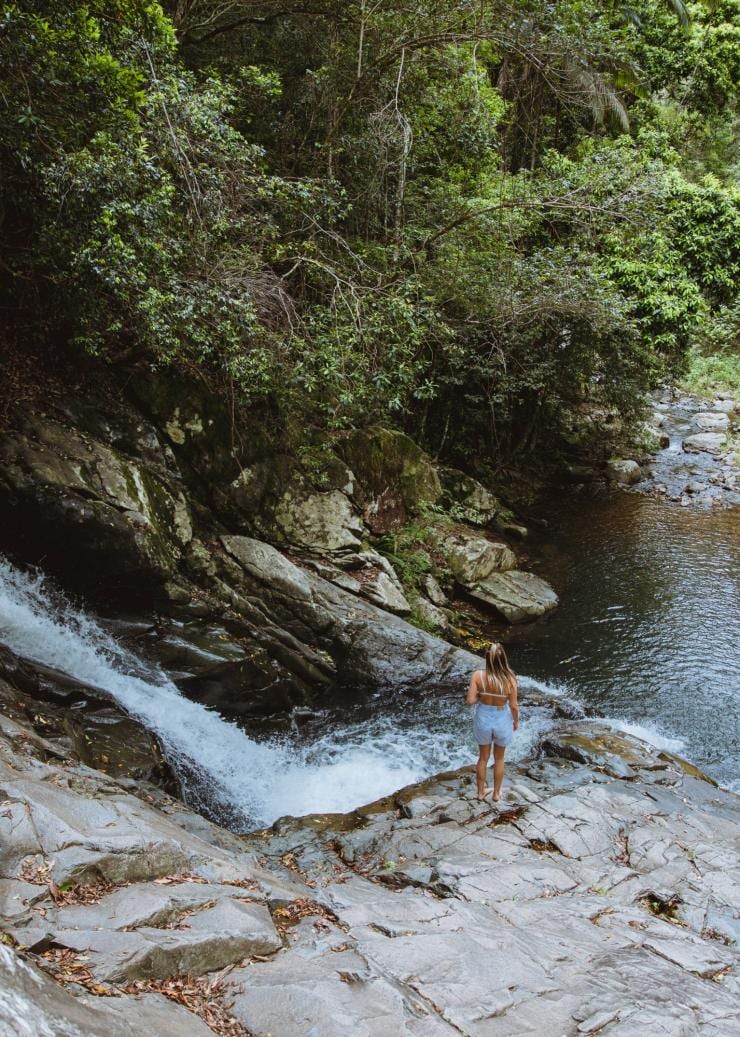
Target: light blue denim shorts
(491, 724)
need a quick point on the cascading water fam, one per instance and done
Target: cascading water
(224, 772)
(243, 781)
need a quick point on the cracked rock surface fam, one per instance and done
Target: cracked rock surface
(599, 896)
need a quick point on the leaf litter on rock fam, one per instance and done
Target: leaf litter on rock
(204, 997)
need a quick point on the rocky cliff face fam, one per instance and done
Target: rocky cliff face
(599, 897)
(291, 576)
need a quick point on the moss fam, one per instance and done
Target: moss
(384, 459)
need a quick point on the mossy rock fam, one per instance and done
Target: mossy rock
(395, 477)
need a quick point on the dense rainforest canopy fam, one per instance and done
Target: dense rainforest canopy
(466, 217)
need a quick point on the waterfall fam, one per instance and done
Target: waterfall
(244, 782)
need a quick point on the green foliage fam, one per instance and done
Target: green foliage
(471, 220)
(707, 375)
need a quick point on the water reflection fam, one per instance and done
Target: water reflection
(648, 628)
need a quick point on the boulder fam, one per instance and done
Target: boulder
(471, 501)
(712, 442)
(725, 406)
(472, 558)
(431, 615)
(395, 477)
(518, 596)
(386, 592)
(716, 421)
(623, 471)
(369, 575)
(319, 522)
(274, 498)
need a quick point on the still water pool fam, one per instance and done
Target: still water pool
(648, 629)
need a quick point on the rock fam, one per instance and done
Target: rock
(395, 477)
(694, 486)
(710, 441)
(712, 422)
(431, 615)
(518, 596)
(433, 590)
(725, 405)
(276, 499)
(320, 522)
(470, 500)
(102, 519)
(623, 471)
(607, 885)
(364, 643)
(386, 592)
(209, 940)
(33, 1005)
(472, 558)
(658, 418)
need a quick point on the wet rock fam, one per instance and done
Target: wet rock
(710, 441)
(623, 471)
(518, 596)
(81, 721)
(711, 422)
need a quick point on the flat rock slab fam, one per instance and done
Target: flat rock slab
(710, 441)
(601, 898)
(716, 421)
(144, 904)
(209, 940)
(518, 596)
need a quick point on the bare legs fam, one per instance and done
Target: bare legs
(498, 770)
(484, 754)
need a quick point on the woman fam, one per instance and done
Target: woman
(496, 716)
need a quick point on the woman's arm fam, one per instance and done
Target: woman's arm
(514, 706)
(472, 696)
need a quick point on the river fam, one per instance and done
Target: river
(647, 633)
(648, 629)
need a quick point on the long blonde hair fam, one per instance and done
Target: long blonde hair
(498, 672)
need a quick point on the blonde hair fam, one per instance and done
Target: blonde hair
(498, 672)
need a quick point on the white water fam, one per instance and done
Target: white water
(249, 783)
(253, 782)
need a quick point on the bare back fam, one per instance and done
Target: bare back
(486, 693)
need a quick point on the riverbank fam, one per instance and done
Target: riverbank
(598, 897)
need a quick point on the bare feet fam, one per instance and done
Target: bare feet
(496, 797)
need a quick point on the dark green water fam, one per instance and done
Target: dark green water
(648, 629)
